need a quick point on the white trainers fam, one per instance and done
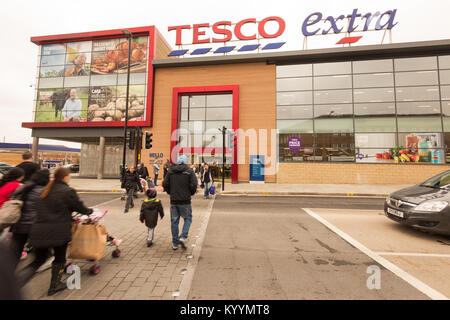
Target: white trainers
(183, 241)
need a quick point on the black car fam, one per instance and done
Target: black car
(4, 167)
(73, 167)
(424, 206)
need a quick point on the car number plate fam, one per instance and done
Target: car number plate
(395, 212)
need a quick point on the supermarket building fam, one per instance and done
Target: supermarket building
(343, 115)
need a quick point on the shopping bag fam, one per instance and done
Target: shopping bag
(212, 190)
(88, 242)
(10, 213)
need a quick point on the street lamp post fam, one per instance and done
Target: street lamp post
(129, 34)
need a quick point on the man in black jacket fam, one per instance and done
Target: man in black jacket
(28, 165)
(131, 183)
(181, 184)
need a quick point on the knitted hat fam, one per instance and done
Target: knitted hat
(182, 159)
(151, 193)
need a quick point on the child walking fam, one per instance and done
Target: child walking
(149, 213)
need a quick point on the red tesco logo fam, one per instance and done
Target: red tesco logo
(219, 29)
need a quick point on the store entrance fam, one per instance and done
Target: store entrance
(214, 162)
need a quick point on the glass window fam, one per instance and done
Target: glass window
(53, 60)
(370, 66)
(417, 108)
(417, 93)
(412, 64)
(446, 121)
(333, 125)
(219, 100)
(447, 147)
(412, 140)
(196, 113)
(322, 69)
(296, 70)
(104, 80)
(334, 147)
(215, 125)
(292, 84)
(332, 96)
(375, 155)
(295, 126)
(375, 140)
(51, 72)
(135, 78)
(445, 92)
(294, 98)
(184, 101)
(333, 111)
(219, 113)
(301, 151)
(375, 124)
(419, 124)
(57, 48)
(184, 114)
(50, 83)
(295, 112)
(444, 76)
(197, 101)
(444, 62)
(445, 108)
(374, 95)
(373, 80)
(333, 82)
(82, 46)
(416, 78)
(76, 81)
(376, 109)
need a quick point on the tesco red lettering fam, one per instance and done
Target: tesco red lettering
(219, 28)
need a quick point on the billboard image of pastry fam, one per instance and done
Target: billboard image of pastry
(62, 105)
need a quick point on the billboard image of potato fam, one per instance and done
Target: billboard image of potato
(109, 103)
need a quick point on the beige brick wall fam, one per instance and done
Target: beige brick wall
(353, 173)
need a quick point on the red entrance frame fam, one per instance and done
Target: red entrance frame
(234, 90)
(149, 31)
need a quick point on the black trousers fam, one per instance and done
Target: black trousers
(129, 203)
(17, 244)
(43, 253)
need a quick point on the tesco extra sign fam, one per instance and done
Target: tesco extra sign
(311, 25)
(219, 28)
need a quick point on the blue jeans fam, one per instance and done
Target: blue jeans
(177, 211)
(206, 191)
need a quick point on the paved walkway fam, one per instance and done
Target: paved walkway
(113, 185)
(140, 272)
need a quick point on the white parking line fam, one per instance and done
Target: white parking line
(186, 283)
(412, 254)
(419, 285)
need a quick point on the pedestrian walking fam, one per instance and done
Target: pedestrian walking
(207, 180)
(9, 183)
(150, 209)
(142, 171)
(28, 165)
(166, 168)
(156, 171)
(131, 184)
(31, 196)
(181, 184)
(52, 228)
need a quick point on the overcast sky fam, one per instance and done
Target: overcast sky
(418, 20)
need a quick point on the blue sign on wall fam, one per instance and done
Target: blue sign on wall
(257, 168)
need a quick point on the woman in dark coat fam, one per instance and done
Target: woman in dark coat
(53, 227)
(31, 196)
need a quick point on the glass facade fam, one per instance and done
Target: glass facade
(368, 111)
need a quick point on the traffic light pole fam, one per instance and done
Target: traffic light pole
(126, 105)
